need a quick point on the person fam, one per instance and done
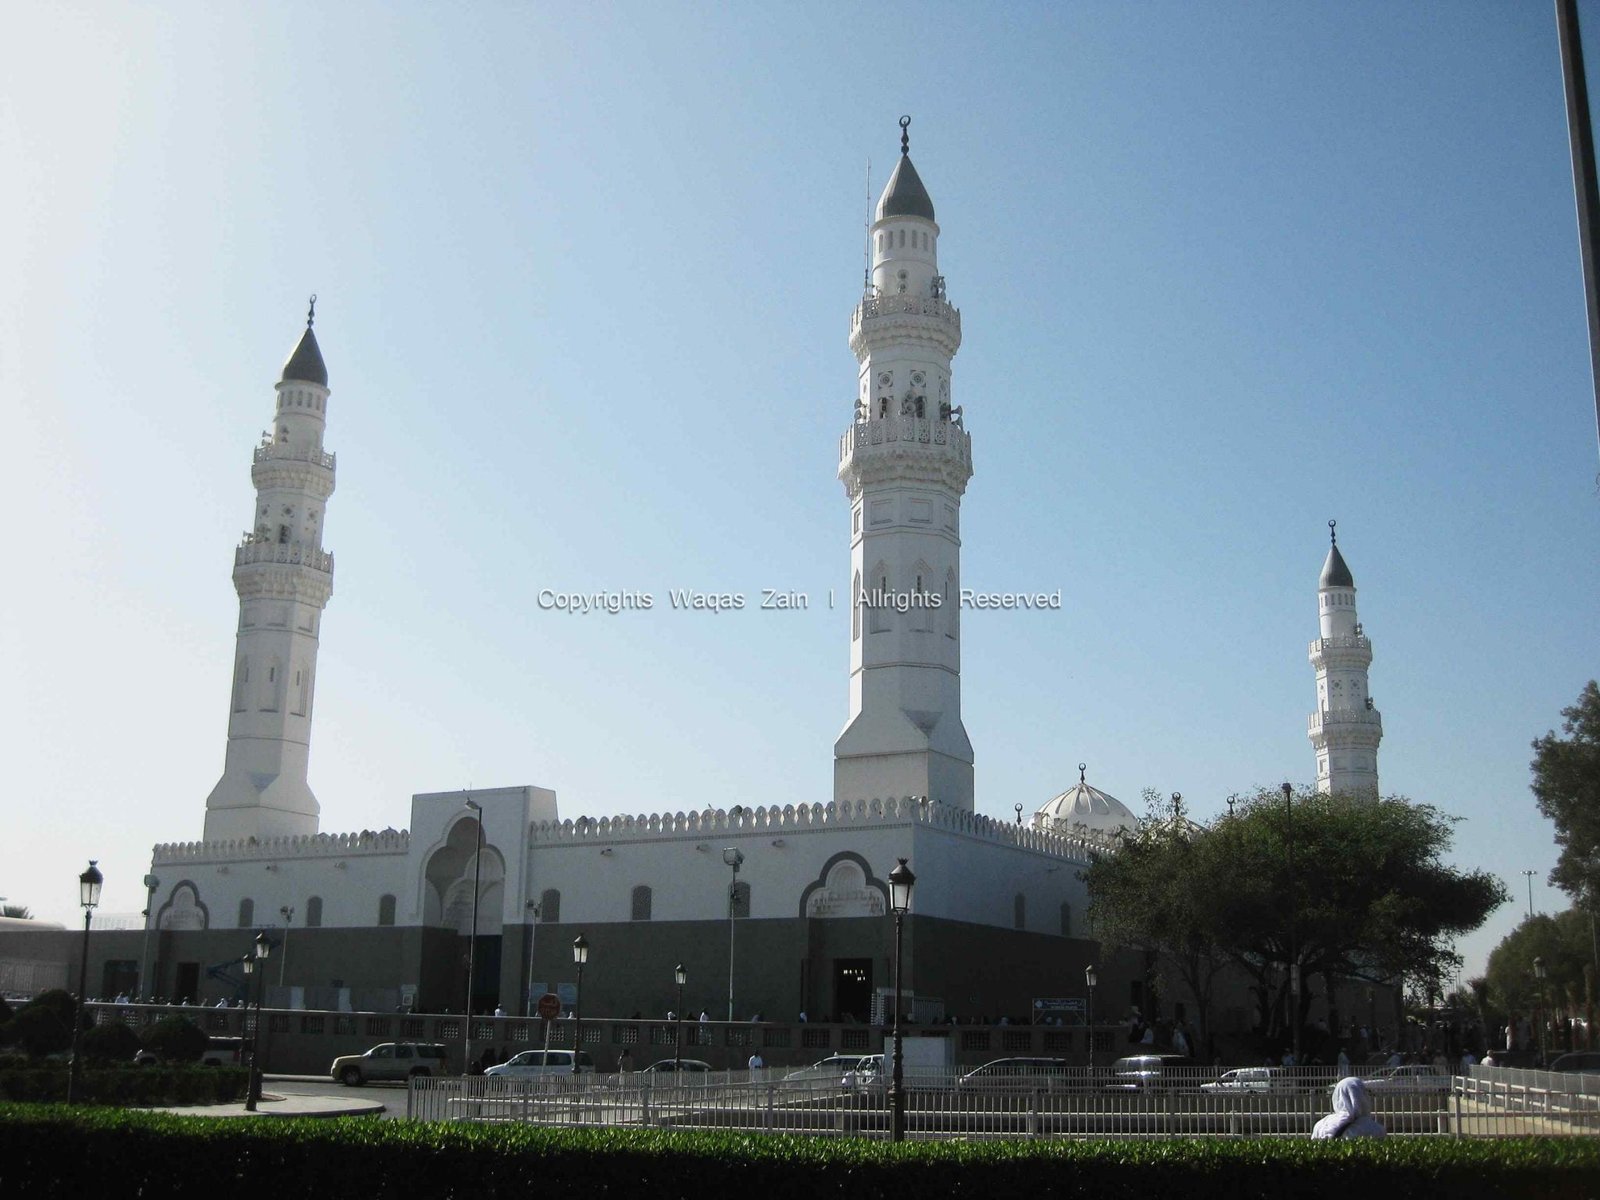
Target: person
(1344, 1063)
(624, 1062)
(756, 1062)
(1180, 1043)
(802, 1016)
(499, 1011)
(705, 1017)
(1468, 1061)
(1488, 1057)
(1351, 1115)
(1395, 1058)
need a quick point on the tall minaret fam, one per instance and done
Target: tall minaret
(1345, 729)
(905, 462)
(284, 579)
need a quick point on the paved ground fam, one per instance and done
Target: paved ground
(307, 1096)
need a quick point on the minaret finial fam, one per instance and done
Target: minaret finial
(1333, 538)
(905, 136)
(1082, 767)
(311, 312)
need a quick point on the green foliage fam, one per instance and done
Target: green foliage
(176, 1039)
(55, 1151)
(114, 1043)
(1369, 893)
(21, 911)
(1563, 941)
(1566, 785)
(37, 1030)
(125, 1084)
(59, 1003)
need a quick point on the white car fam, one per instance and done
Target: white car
(1252, 1079)
(836, 1068)
(542, 1064)
(1413, 1077)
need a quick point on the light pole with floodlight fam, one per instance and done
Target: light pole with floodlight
(734, 857)
(901, 881)
(472, 942)
(535, 910)
(1090, 979)
(253, 965)
(89, 885)
(680, 977)
(580, 955)
(287, 913)
(151, 883)
(1294, 960)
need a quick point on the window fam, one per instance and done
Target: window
(550, 906)
(739, 899)
(241, 680)
(1019, 912)
(314, 913)
(855, 600)
(641, 903)
(247, 913)
(1066, 920)
(385, 910)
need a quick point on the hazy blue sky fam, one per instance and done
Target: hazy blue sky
(1227, 271)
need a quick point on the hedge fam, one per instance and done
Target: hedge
(48, 1151)
(126, 1084)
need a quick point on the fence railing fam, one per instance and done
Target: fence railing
(941, 1105)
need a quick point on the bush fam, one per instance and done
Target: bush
(57, 1002)
(110, 1044)
(176, 1040)
(124, 1085)
(38, 1031)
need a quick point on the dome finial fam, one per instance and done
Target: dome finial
(1333, 537)
(311, 312)
(905, 136)
(1082, 767)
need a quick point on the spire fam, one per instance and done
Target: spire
(305, 365)
(905, 196)
(1334, 571)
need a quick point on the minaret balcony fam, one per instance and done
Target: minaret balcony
(905, 436)
(252, 551)
(1345, 650)
(284, 452)
(927, 317)
(1363, 722)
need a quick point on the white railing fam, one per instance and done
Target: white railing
(898, 305)
(284, 452)
(863, 436)
(1344, 716)
(252, 551)
(1344, 641)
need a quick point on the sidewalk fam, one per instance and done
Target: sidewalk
(272, 1105)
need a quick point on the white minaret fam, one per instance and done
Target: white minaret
(905, 462)
(284, 579)
(1345, 729)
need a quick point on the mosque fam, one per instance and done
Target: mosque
(768, 909)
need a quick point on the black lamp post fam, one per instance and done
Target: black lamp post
(580, 955)
(1540, 1012)
(1089, 980)
(1294, 960)
(681, 977)
(151, 883)
(262, 951)
(89, 884)
(901, 881)
(734, 857)
(472, 942)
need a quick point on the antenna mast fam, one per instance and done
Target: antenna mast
(866, 234)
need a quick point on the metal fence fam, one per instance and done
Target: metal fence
(1068, 1104)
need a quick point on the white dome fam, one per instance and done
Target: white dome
(1087, 807)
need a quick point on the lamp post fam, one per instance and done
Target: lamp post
(287, 913)
(1089, 980)
(1294, 955)
(1539, 1010)
(535, 910)
(1528, 875)
(89, 884)
(263, 949)
(735, 859)
(901, 881)
(680, 977)
(472, 942)
(151, 883)
(580, 955)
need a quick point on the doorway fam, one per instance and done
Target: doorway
(852, 989)
(187, 987)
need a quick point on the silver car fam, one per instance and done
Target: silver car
(389, 1061)
(542, 1064)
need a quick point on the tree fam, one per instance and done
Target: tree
(1566, 784)
(1369, 895)
(176, 1039)
(1563, 942)
(44, 1025)
(20, 911)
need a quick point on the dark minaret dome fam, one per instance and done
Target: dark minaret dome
(305, 365)
(905, 196)
(1334, 571)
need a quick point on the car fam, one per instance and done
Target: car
(832, 1069)
(1412, 1077)
(1583, 1061)
(219, 1052)
(674, 1066)
(1020, 1073)
(536, 1064)
(388, 1061)
(1252, 1079)
(1142, 1072)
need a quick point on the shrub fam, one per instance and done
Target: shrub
(110, 1044)
(59, 1003)
(176, 1040)
(123, 1086)
(38, 1031)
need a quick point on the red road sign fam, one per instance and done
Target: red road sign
(549, 1006)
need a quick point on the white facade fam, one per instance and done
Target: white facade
(905, 462)
(1346, 728)
(284, 579)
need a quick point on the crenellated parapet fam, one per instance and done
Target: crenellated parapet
(320, 845)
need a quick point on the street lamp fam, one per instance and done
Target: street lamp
(1294, 957)
(535, 910)
(681, 977)
(1539, 1013)
(1090, 979)
(901, 881)
(1528, 875)
(580, 955)
(472, 942)
(151, 883)
(89, 884)
(735, 859)
(287, 913)
(263, 949)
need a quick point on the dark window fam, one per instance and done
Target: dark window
(550, 906)
(641, 903)
(385, 910)
(314, 913)
(247, 913)
(1019, 912)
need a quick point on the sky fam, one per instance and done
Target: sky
(1226, 271)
